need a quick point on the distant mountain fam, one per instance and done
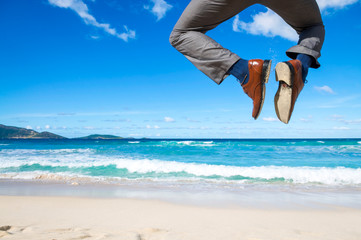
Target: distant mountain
(100, 136)
(9, 132)
(48, 135)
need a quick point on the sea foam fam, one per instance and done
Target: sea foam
(166, 169)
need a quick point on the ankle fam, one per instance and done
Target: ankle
(306, 63)
(240, 71)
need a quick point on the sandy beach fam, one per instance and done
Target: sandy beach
(50, 217)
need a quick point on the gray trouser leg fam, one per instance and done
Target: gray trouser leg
(188, 35)
(304, 16)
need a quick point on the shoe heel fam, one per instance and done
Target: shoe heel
(266, 70)
(284, 73)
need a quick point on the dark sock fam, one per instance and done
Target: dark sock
(240, 71)
(306, 63)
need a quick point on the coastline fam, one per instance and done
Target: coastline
(261, 196)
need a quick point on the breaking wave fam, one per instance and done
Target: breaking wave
(156, 169)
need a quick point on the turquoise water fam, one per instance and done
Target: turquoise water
(301, 162)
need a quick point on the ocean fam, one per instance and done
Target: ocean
(201, 165)
(294, 162)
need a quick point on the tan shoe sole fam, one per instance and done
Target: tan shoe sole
(283, 97)
(266, 70)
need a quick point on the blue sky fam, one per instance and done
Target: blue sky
(78, 67)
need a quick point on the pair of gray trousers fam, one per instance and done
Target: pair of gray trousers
(189, 34)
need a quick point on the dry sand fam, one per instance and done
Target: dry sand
(24, 217)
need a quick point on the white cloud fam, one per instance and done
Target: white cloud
(323, 4)
(28, 127)
(337, 116)
(47, 127)
(325, 88)
(159, 8)
(82, 10)
(308, 119)
(356, 121)
(155, 127)
(269, 24)
(341, 128)
(192, 120)
(304, 120)
(169, 119)
(38, 128)
(269, 119)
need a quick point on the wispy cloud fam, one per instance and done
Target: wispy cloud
(150, 127)
(306, 119)
(82, 10)
(117, 120)
(341, 102)
(340, 128)
(340, 118)
(325, 89)
(269, 119)
(66, 114)
(269, 24)
(41, 115)
(159, 8)
(169, 119)
(355, 121)
(192, 120)
(336, 117)
(323, 4)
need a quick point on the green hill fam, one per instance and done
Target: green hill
(48, 135)
(10, 132)
(100, 136)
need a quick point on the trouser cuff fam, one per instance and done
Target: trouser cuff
(223, 73)
(295, 50)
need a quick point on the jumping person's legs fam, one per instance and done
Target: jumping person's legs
(188, 35)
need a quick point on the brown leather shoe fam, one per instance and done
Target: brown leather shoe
(289, 76)
(255, 88)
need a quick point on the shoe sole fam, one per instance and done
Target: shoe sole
(283, 97)
(266, 70)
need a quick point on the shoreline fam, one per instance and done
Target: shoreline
(253, 196)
